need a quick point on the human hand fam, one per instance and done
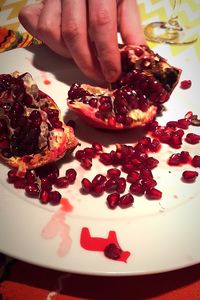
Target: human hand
(86, 30)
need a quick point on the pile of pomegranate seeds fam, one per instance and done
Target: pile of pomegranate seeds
(39, 183)
(129, 168)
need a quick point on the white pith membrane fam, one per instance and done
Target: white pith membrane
(53, 143)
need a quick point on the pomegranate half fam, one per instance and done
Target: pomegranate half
(32, 132)
(146, 82)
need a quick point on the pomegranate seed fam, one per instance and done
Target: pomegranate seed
(146, 173)
(46, 185)
(113, 200)
(138, 51)
(86, 185)
(98, 179)
(32, 190)
(19, 183)
(175, 140)
(192, 138)
(62, 182)
(153, 194)
(121, 185)
(151, 163)
(79, 155)
(89, 152)
(136, 189)
(97, 189)
(183, 123)
(128, 167)
(111, 185)
(184, 156)
(185, 84)
(133, 177)
(196, 161)
(154, 145)
(148, 183)
(172, 124)
(112, 251)
(30, 176)
(175, 159)
(54, 197)
(189, 176)
(97, 147)
(44, 197)
(12, 175)
(71, 174)
(113, 173)
(126, 201)
(105, 158)
(86, 163)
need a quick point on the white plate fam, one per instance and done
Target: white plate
(160, 235)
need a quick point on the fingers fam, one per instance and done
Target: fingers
(29, 16)
(49, 27)
(103, 32)
(38, 20)
(75, 36)
(130, 23)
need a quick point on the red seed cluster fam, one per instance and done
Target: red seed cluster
(39, 183)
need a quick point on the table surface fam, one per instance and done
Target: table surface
(20, 280)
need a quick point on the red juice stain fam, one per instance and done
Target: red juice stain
(47, 82)
(99, 244)
(57, 226)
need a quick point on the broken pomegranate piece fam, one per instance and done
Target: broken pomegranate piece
(32, 132)
(146, 82)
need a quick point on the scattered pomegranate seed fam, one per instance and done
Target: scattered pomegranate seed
(19, 183)
(71, 174)
(192, 138)
(32, 190)
(189, 176)
(121, 185)
(113, 200)
(54, 197)
(185, 84)
(175, 159)
(196, 161)
(126, 201)
(12, 175)
(113, 173)
(46, 185)
(153, 194)
(112, 251)
(62, 182)
(97, 147)
(86, 185)
(136, 189)
(111, 185)
(44, 197)
(86, 163)
(98, 179)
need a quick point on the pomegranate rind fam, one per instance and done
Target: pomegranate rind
(61, 140)
(158, 63)
(143, 59)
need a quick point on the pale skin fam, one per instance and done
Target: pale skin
(86, 31)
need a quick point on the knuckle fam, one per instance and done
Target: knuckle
(101, 18)
(71, 32)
